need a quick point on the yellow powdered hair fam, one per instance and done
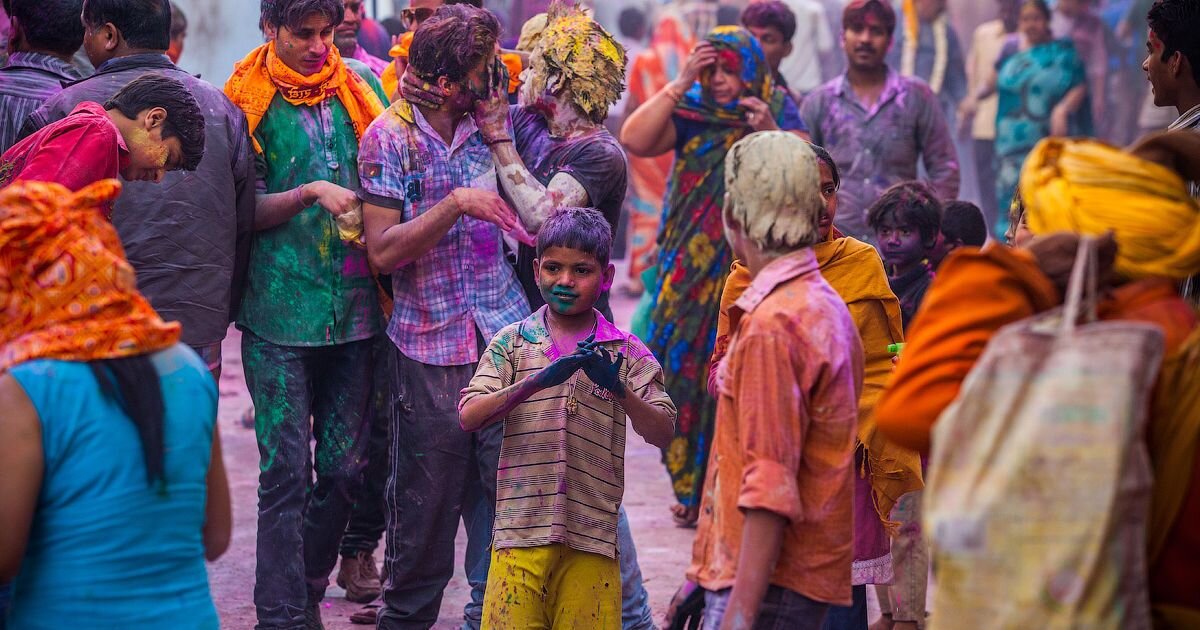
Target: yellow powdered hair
(773, 189)
(1088, 187)
(580, 52)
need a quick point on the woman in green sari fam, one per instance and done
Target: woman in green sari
(724, 93)
(1043, 92)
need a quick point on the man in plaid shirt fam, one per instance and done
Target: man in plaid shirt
(434, 220)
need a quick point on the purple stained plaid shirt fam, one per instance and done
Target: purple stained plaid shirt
(465, 283)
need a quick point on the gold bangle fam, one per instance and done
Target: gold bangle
(673, 94)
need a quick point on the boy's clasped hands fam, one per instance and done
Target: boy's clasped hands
(595, 361)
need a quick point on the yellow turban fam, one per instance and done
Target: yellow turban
(1088, 187)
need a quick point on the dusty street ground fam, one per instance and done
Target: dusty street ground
(663, 549)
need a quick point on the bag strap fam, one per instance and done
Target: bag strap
(1083, 289)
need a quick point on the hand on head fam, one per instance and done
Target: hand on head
(491, 113)
(703, 56)
(418, 91)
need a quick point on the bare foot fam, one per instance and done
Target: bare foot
(685, 516)
(904, 625)
(885, 623)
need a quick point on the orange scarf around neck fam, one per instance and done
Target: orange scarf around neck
(257, 78)
(66, 290)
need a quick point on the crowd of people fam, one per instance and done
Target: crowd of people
(413, 227)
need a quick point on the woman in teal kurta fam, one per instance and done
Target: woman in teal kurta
(1043, 92)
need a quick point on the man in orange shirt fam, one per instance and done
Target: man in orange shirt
(775, 539)
(977, 292)
(885, 472)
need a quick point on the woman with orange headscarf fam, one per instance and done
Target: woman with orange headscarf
(112, 489)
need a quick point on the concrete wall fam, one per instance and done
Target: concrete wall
(220, 32)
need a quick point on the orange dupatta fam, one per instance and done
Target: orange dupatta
(66, 290)
(258, 77)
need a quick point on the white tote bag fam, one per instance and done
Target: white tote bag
(1038, 488)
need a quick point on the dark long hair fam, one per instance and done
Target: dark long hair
(132, 383)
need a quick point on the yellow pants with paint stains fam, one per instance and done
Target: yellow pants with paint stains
(552, 586)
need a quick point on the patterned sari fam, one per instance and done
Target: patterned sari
(694, 257)
(1030, 83)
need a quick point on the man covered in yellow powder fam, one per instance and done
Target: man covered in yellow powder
(552, 150)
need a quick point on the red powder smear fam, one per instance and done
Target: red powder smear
(731, 61)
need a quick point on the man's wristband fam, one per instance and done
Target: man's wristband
(494, 141)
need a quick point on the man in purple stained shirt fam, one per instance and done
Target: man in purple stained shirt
(876, 124)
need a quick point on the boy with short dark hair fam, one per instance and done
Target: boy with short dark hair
(153, 125)
(774, 25)
(906, 220)
(907, 223)
(963, 225)
(561, 478)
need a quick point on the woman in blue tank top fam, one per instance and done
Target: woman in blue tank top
(112, 488)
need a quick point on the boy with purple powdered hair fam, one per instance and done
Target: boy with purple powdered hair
(561, 477)
(906, 220)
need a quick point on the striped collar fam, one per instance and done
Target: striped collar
(534, 330)
(1189, 120)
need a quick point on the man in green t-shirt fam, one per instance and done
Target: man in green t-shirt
(310, 311)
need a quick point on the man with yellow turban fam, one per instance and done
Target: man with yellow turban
(1072, 188)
